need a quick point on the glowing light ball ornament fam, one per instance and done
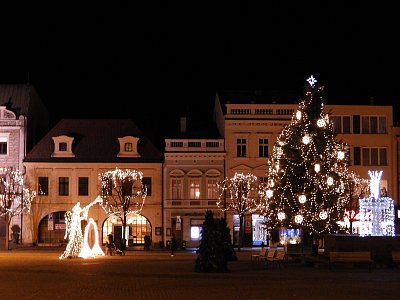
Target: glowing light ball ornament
(302, 198)
(298, 219)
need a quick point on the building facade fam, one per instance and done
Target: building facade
(192, 169)
(64, 168)
(23, 121)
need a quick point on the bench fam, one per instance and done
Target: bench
(356, 257)
(260, 255)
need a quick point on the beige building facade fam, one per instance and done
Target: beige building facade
(251, 129)
(192, 169)
(64, 168)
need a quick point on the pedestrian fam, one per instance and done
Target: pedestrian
(174, 243)
(107, 245)
(110, 243)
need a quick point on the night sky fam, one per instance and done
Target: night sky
(113, 59)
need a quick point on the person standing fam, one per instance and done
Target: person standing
(174, 243)
(110, 239)
(107, 246)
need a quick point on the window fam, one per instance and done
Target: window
(374, 156)
(241, 147)
(357, 156)
(128, 147)
(107, 188)
(373, 125)
(3, 148)
(341, 124)
(177, 188)
(194, 188)
(196, 226)
(62, 146)
(263, 181)
(356, 124)
(127, 186)
(262, 147)
(43, 186)
(146, 181)
(63, 186)
(83, 186)
(212, 189)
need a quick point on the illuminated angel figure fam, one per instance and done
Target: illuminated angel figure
(73, 229)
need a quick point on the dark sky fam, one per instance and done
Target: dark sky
(114, 59)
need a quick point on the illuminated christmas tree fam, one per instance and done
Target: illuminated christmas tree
(308, 176)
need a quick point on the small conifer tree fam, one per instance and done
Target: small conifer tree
(215, 248)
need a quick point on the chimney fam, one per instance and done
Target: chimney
(183, 125)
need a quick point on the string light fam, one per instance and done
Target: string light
(73, 230)
(376, 213)
(15, 197)
(310, 175)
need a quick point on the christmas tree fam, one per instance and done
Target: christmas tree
(308, 176)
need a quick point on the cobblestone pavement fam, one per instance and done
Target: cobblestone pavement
(153, 275)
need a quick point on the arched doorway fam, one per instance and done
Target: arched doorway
(52, 228)
(137, 228)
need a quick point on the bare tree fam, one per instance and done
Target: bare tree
(358, 188)
(15, 197)
(123, 193)
(240, 194)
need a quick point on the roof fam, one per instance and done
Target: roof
(16, 97)
(95, 140)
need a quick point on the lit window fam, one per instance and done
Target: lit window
(212, 189)
(194, 189)
(195, 232)
(128, 147)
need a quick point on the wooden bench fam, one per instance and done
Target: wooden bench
(356, 257)
(260, 255)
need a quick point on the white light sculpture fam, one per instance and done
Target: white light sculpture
(73, 230)
(376, 213)
(96, 250)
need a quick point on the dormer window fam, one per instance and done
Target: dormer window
(63, 146)
(128, 146)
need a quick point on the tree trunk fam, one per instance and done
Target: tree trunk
(7, 221)
(241, 231)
